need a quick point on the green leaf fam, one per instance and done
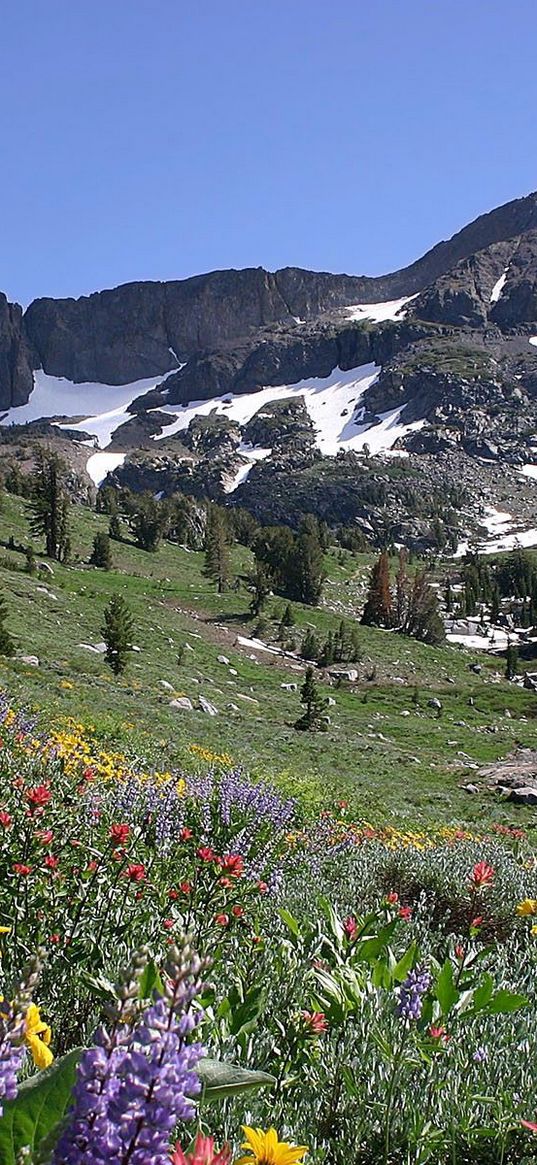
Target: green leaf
(505, 1001)
(40, 1105)
(483, 993)
(150, 981)
(405, 964)
(290, 922)
(445, 989)
(221, 1080)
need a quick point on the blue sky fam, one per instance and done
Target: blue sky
(155, 139)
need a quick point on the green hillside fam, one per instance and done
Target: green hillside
(385, 750)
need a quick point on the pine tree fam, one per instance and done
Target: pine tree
(217, 563)
(327, 656)
(147, 524)
(378, 607)
(423, 620)
(49, 504)
(511, 661)
(7, 646)
(114, 529)
(310, 646)
(116, 631)
(313, 703)
(101, 554)
(288, 617)
(307, 574)
(260, 590)
(31, 564)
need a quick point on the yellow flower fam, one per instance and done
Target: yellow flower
(527, 906)
(534, 931)
(37, 1037)
(5, 929)
(266, 1149)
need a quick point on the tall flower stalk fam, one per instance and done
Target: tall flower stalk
(139, 1080)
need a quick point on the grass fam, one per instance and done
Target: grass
(385, 763)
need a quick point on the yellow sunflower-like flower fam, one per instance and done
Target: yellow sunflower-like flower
(37, 1037)
(267, 1149)
(527, 906)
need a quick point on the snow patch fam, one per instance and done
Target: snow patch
(529, 471)
(101, 464)
(533, 340)
(332, 403)
(252, 454)
(498, 287)
(378, 312)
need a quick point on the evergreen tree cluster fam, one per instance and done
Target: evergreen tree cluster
(292, 562)
(510, 583)
(49, 503)
(341, 646)
(409, 607)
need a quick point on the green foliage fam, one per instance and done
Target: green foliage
(7, 645)
(49, 503)
(116, 630)
(217, 545)
(101, 554)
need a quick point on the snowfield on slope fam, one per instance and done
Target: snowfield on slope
(333, 403)
(378, 312)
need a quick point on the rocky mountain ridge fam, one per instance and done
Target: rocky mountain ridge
(436, 361)
(148, 328)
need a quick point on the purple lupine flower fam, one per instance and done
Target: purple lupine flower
(12, 1054)
(480, 1055)
(410, 994)
(139, 1081)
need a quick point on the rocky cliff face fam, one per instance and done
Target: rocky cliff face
(147, 329)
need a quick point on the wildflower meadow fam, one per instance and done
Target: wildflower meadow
(194, 971)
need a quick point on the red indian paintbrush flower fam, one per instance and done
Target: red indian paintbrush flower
(38, 797)
(222, 919)
(392, 898)
(51, 862)
(119, 834)
(350, 928)
(206, 854)
(5, 819)
(233, 864)
(185, 887)
(185, 834)
(482, 875)
(203, 1153)
(405, 912)
(136, 872)
(45, 836)
(315, 1022)
(21, 869)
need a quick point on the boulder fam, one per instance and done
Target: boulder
(206, 706)
(45, 568)
(29, 660)
(524, 796)
(167, 687)
(223, 659)
(435, 703)
(182, 704)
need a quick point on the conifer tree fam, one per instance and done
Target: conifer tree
(217, 561)
(147, 523)
(313, 703)
(307, 568)
(310, 646)
(49, 504)
(114, 528)
(101, 554)
(116, 631)
(378, 607)
(260, 590)
(511, 661)
(7, 645)
(288, 617)
(31, 564)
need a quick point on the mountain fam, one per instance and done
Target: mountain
(245, 385)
